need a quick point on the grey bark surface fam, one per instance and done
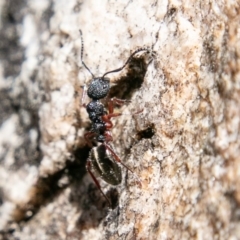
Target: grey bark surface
(183, 143)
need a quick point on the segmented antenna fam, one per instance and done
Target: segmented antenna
(129, 59)
(83, 63)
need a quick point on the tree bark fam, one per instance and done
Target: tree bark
(178, 132)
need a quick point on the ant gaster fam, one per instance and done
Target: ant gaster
(102, 158)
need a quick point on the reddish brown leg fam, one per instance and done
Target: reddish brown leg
(88, 167)
(117, 159)
(108, 136)
(107, 119)
(88, 137)
(115, 101)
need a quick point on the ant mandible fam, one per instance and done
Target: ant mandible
(102, 158)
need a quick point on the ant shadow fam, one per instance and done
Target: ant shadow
(126, 85)
(88, 200)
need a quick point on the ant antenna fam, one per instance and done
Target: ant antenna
(83, 63)
(129, 59)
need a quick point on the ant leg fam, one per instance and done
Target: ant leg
(88, 167)
(106, 118)
(115, 101)
(88, 136)
(119, 102)
(108, 136)
(117, 159)
(83, 98)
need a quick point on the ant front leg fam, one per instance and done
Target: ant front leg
(107, 117)
(83, 98)
(115, 101)
(89, 167)
(119, 102)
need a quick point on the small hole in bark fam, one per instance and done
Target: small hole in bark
(146, 133)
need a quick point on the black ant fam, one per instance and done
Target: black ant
(102, 159)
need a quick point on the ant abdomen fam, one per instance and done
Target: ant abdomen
(104, 164)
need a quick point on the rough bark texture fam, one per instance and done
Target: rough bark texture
(184, 144)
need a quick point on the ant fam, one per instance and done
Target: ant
(102, 158)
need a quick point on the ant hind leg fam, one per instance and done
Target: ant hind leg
(89, 167)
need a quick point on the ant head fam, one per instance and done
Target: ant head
(98, 88)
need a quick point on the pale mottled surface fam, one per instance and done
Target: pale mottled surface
(190, 97)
